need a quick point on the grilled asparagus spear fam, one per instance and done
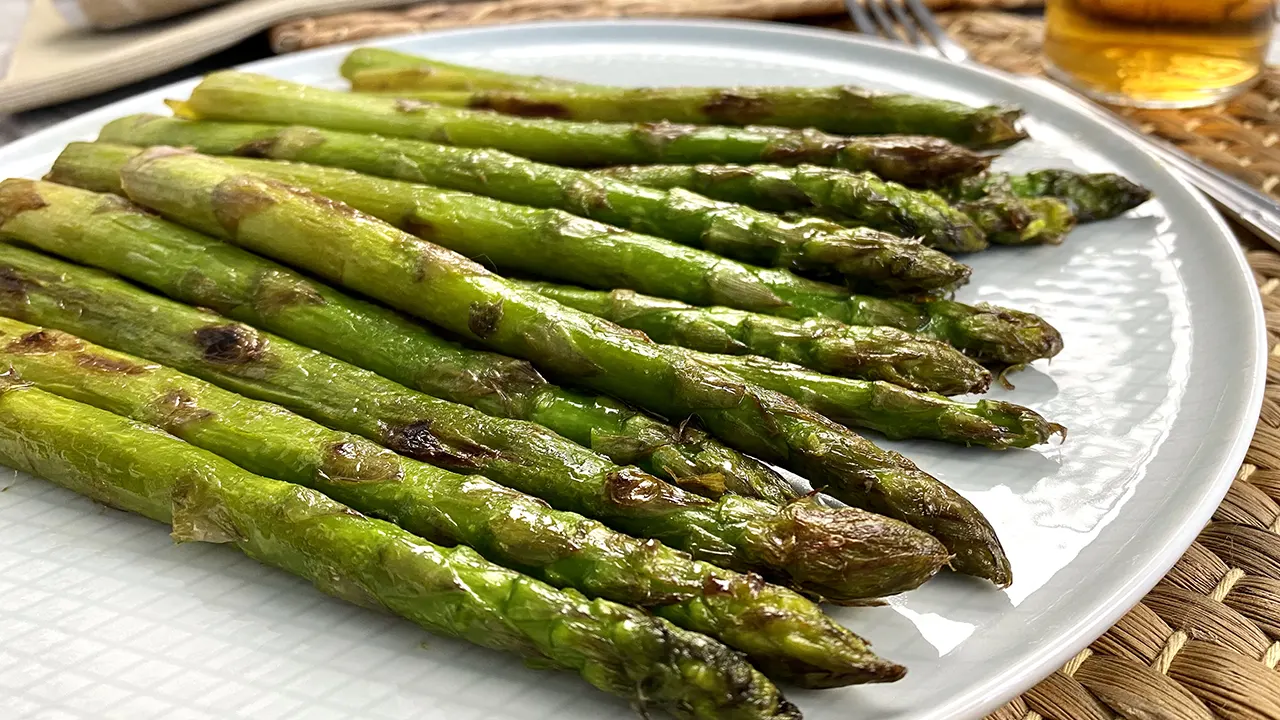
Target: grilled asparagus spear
(863, 199)
(378, 69)
(444, 287)
(108, 232)
(231, 95)
(897, 412)
(842, 109)
(738, 532)
(375, 564)
(860, 198)
(988, 334)
(478, 226)
(869, 353)
(786, 635)
(1090, 196)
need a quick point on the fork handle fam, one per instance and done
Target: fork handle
(1255, 210)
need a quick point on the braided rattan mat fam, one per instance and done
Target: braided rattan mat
(314, 32)
(1205, 643)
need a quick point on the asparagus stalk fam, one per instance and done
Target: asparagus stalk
(375, 564)
(864, 199)
(860, 198)
(896, 412)
(231, 95)
(108, 232)
(741, 533)
(478, 226)
(843, 109)
(443, 287)
(986, 333)
(1090, 196)
(728, 338)
(377, 69)
(869, 353)
(790, 639)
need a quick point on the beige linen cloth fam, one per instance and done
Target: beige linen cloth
(51, 61)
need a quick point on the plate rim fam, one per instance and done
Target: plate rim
(999, 687)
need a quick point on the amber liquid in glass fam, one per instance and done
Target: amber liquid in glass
(1157, 53)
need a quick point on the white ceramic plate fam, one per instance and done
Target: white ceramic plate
(1160, 385)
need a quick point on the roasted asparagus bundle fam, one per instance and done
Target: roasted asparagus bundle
(809, 189)
(449, 591)
(842, 109)
(827, 346)
(897, 412)
(860, 257)
(787, 636)
(245, 97)
(986, 333)
(110, 233)
(864, 199)
(849, 565)
(445, 288)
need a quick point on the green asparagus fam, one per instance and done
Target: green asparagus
(860, 198)
(844, 110)
(443, 287)
(378, 69)
(881, 406)
(869, 353)
(230, 95)
(480, 227)
(784, 634)
(741, 533)
(108, 232)
(986, 333)
(1010, 220)
(1090, 196)
(896, 412)
(375, 564)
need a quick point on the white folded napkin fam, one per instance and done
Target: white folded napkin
(108, 14)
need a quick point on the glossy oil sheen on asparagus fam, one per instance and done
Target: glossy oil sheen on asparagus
(827, 346)
(476, 225)
(987, 333)
(865, 258)
(247, 97)
(842, 109)
(446, 288)
(506, 527)
(849, 562)
(374, 564)
(107, 232)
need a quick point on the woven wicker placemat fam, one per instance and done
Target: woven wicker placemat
(1205, 643)
(317, 31)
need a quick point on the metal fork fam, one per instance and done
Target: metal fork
(911, 22)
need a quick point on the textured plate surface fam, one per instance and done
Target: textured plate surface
(1160, 384)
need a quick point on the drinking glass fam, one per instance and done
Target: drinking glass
(1157, 53)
